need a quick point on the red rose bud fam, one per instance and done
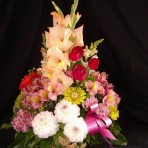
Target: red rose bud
(79, 72)
(27, 80)
(93, 63)
(76, 53)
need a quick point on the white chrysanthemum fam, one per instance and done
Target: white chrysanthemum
(76, 131)
(45, 124)
(66, 111)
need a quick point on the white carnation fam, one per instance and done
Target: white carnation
(76, 131)
(44, 124)
(66, 111)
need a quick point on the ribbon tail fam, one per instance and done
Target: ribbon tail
(108, 142)
(107, 134)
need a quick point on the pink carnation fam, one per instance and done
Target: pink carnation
(102, 110)
(22, 121)
(86, 104)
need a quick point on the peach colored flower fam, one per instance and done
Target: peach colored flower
(78, 33)
(45, 72)
(59, 76)
(59, 36)
(57, 59)
(62, 36)
(61, 21)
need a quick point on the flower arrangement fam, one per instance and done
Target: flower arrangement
(66, 102)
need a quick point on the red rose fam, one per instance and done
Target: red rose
(93, 63)
(27, 80)
(76, 53)
(79, 72)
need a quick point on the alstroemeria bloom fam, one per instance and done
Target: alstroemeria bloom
(102, 77)
(92, 87)
(54, 90)
(76, 53)
(111, 99)
(60, 77)
(56, 59)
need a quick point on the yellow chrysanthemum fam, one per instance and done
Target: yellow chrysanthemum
(75, 95)
(114, 113)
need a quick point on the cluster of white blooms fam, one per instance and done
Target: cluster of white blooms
(45, 124)
(66, 111)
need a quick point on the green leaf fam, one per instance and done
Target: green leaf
(75, 20)
(44, 40)
(73, 15)
(94, 140)
(18, 102)
(57, 8)
(115, 128)
(74, 7)
(6, 126)
(78, 63)
(35, 142)
(21, 145)
(56, 139)
(50, 105)
(30, 136)
(74, 42)
(82, 113)
(90, 78)
(47, 143)
(87, 139)
(19, 137)
(120, 140)
(61, 125)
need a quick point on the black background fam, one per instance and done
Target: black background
(124, 53)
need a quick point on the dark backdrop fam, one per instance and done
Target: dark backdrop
(124, 53)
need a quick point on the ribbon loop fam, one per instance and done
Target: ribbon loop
(98, 124)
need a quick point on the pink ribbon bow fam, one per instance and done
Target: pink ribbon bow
(98, 124)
